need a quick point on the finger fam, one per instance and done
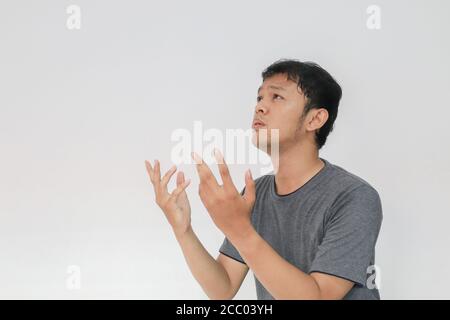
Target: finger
(179, 189)
(157, 174)
(250, 188)
(166, 178)
(224, 172)
(149, 168)
(180, 178)
(204, 172)
(151, 173)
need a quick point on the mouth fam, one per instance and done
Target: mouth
(258, 124)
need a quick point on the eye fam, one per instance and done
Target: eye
(277, 96)
(258, 99)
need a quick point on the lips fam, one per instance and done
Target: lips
(258, 124)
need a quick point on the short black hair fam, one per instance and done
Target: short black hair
(318, 86)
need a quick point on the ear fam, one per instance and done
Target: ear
(317, 117)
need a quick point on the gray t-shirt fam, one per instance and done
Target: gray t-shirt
(328, 225)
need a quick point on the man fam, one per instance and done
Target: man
(309, 230)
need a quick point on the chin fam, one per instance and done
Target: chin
(262, 142)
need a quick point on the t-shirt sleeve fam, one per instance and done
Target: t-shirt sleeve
(350, 234)
(228, 249)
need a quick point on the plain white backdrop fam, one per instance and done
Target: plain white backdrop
(80, 110)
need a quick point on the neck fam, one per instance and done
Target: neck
(296, 166)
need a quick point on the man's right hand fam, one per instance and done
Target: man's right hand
(175, 205)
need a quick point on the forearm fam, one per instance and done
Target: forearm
(282, 279)
(208, 272)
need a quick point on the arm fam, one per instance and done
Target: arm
(219, 278)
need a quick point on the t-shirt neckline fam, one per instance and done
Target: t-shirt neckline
(306, 186)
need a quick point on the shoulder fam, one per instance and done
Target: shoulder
(344, 182)
(346, 179)
(353, 195)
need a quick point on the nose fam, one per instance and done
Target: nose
(261, 108)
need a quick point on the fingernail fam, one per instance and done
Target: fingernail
(196, 157)
(218, 155)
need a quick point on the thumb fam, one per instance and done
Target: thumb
(249, 193)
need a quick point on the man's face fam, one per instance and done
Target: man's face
(280, 104)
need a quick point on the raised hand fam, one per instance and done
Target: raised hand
(175, 205)
(229, 210)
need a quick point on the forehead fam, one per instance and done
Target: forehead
(279, 82)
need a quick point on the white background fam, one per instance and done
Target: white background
(82, 109)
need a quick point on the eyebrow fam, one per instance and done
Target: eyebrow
(272, 87)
